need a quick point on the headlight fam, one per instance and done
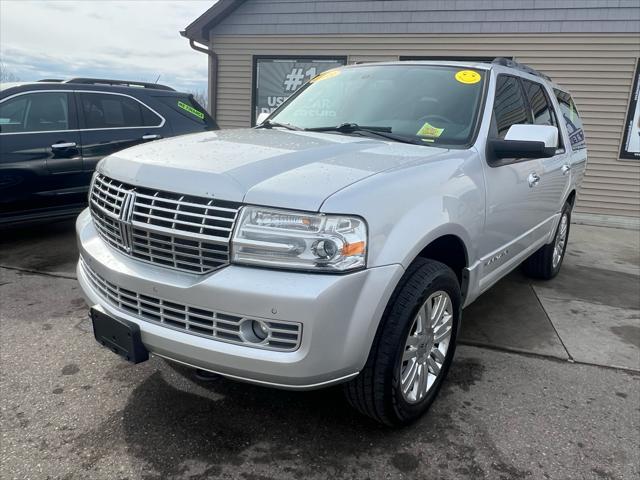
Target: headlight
(304, 241)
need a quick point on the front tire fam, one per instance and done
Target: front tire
(413, 348)
(545, 263)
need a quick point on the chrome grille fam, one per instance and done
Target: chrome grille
(284, 336)
(174, 230)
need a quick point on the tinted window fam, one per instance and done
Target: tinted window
(572, 119)
(540, 105)
(430, 104)
(189, 108)
(35, 112)
(115, 111)
(510, 107)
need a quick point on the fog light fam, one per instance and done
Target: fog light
(254, 331)
(260, 329)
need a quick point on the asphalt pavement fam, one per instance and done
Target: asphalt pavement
(545, 384)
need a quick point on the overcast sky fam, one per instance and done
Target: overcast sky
(132, 40)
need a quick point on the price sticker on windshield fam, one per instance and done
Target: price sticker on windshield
(429, 130)
(468, 77)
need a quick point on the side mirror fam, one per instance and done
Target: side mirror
(526, 141)
(262, 117)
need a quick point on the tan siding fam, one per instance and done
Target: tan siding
(597, 69)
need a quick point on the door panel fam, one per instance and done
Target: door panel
(555, 171)
(517, 203)
(515, 215)
(40, 161)
(111, 122)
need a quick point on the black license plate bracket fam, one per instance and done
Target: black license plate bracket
(120, 336)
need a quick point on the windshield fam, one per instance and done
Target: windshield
(432, 104)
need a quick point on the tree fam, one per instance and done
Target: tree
(201, 98)
(6, 75)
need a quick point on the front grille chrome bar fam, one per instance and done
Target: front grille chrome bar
(224, 327)
(177, 231)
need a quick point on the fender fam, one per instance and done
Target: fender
(416, 204)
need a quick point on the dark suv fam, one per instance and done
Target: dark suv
(52, 134)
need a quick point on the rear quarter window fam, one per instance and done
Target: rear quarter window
(189, 109)
(572, 119)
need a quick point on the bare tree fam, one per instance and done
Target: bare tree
(6, 75)
(201, 97)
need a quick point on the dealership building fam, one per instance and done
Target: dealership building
(260, 51)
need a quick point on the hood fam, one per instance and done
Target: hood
(288, 169)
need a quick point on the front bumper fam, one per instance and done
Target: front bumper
(339, 313)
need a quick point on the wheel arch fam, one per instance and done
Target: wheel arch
(450, 250)
(447, 247)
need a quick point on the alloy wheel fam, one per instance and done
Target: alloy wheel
(426, 347)
(561, 240)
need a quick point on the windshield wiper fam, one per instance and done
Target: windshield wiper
(270, 124)
(348, 128)
(384, 132)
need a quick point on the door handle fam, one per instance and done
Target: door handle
(533, 179)
(566, 168)
(151, 136)
(63, 145)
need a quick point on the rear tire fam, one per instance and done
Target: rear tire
(545, 263)
(413, 348)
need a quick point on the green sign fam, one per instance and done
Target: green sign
(191, 110)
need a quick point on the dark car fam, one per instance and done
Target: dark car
(53, 133)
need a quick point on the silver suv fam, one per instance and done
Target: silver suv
(339, 240)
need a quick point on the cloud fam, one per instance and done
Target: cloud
(113, 39)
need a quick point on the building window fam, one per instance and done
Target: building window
(276, 78)
(630, 147)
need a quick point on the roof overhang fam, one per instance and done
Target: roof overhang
(199, 29)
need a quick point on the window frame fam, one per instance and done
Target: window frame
(82, 120)
(632, 106)
(527, 106)
(72, 113)
(561, 147)
(557, 90)
(495, 163)
(76, 114)
(254, 74)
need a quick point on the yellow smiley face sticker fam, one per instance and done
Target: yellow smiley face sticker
(468, 76)
(325, 75)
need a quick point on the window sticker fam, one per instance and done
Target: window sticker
(468, 76)
(429, 130)
(325, 75)
(191, 110)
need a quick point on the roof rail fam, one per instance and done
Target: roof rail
(506, 62)
(123, 83)
(57, 80)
